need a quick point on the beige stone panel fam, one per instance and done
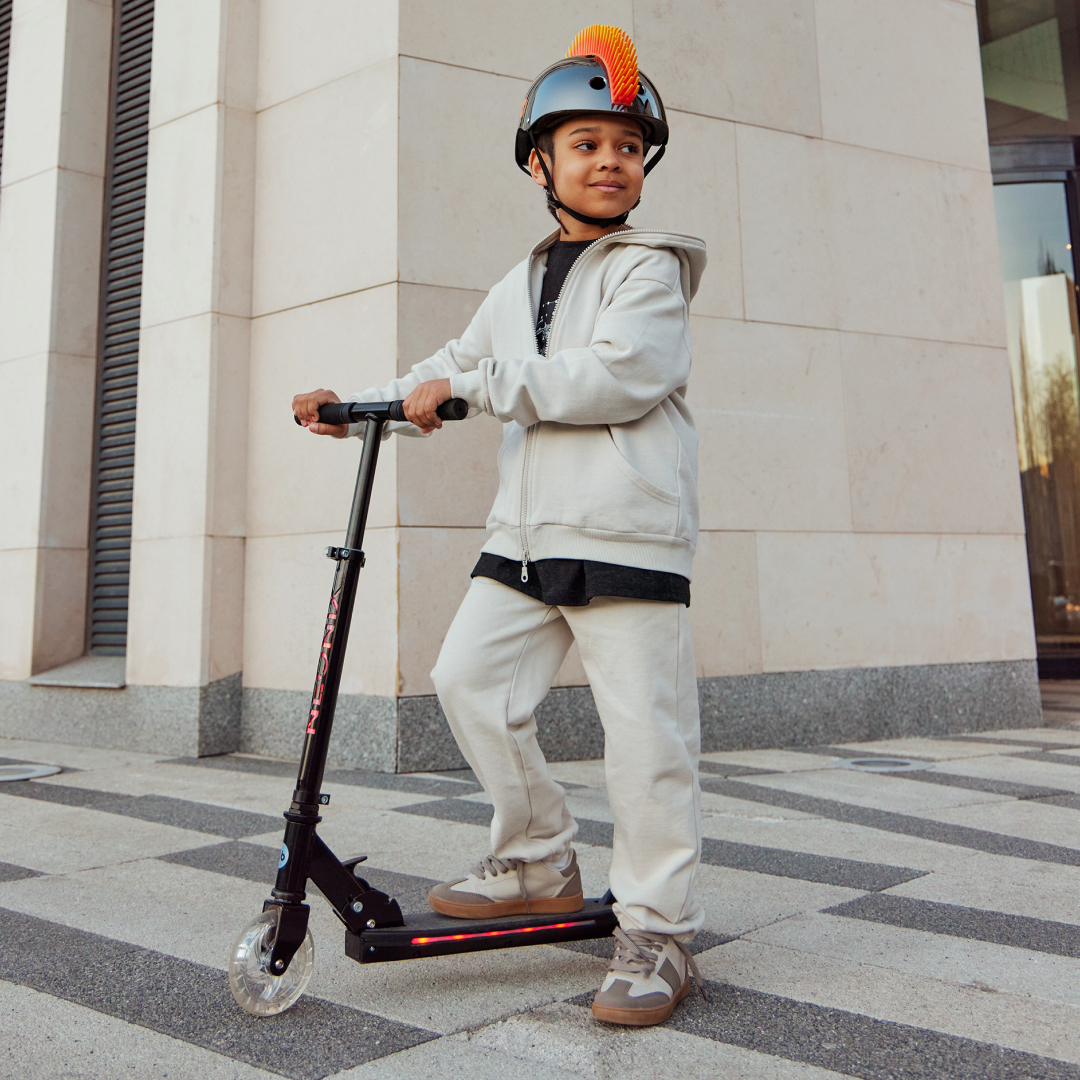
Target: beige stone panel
(226, 618)
(77, 272)
(724, 616)
(326, 190)
(914, 247)
(428, 316)
(286, 593)
(22, 451)
(168, 611)
(931, 437)
(181, 218)
(35, 89)
(85, 120)
(228, 425)
(58, 88)
(68, 451)
(434, 573)
(236, 217)
(830, 600)
(785, 218)
(28, 222)
(519, 39)
(904, 78)
(196, 43)
(450, 478)
(304, 46)
(60, 615)
(768, 402)
(695, 190)
(18, 578)
(482, 215)
(173, 454)
(191, 433)
(299, 482)
(751, 62)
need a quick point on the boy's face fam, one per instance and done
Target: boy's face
(599, 164)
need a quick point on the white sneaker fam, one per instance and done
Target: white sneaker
(649, 975)
(510, 887)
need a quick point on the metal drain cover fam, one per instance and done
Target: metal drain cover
(882, 764)
(27, 772)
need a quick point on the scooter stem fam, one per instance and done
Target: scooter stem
(303, 815)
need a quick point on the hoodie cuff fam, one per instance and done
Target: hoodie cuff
(470, 386)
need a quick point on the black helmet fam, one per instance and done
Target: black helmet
(598, 75)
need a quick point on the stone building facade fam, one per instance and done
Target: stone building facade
(330, 190)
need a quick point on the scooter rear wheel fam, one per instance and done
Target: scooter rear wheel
(255, 989)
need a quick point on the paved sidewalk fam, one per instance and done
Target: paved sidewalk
(912, 924)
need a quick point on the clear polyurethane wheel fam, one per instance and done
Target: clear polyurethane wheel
(256, 990)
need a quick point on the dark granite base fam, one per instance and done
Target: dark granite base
(803, 708)
(150, 719)
(410, 734)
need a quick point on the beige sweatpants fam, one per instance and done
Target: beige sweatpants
(497, 662)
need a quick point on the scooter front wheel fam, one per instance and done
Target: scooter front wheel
(255, 989)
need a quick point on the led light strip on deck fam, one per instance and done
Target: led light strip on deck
(501, 933)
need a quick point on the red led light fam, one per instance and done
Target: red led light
(501, 933)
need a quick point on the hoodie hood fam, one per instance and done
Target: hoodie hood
(690, 249)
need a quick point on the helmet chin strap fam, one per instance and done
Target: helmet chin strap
(553, 199)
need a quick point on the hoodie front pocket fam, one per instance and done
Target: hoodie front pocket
(580, 480)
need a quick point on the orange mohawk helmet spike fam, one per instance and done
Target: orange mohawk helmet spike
(615, 50)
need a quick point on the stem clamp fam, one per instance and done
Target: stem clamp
(342, 553)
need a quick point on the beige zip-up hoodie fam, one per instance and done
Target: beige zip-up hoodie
(599, 452)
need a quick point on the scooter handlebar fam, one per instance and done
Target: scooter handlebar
(350, 412)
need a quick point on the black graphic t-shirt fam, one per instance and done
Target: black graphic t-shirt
(560, 257)
(574, 582)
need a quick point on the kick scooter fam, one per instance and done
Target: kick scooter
(274, 955)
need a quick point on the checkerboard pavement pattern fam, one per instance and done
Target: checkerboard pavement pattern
(915, 924)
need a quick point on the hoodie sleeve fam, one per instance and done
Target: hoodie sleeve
(639, 354)
(454, 358)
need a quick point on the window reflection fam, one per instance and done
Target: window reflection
(1031, 67)
(1041, 326)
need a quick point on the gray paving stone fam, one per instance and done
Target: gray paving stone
(10, 872)
(312, 1040)
(565, 1037)
(418, 785)
(1018, 931)
(862, 985)
(851, 1044)
(849, 873)
(179, 813)
(43, 1037)
(953, 965)
(255, 863)
(888, 821)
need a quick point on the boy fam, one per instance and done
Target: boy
(583, 353)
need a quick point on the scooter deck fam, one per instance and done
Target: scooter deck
(427, 933)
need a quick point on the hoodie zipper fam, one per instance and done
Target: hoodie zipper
(531, 430)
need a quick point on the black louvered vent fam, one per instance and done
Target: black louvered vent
(121, 294)
(5, 44)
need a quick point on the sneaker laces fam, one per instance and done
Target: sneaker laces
(638, 952)
(493, 867)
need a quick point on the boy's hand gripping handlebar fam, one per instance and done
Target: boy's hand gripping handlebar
(351, 412)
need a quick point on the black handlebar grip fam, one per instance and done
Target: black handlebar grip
(455, 409)
(336, 412)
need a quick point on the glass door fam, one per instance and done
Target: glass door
(1036, 250)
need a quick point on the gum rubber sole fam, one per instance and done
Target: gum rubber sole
(559, 905)
(641, 1017)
